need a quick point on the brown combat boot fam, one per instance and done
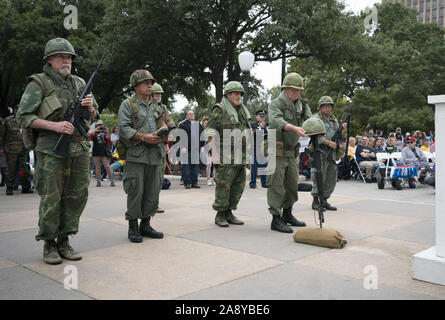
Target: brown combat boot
(50, 254)
(66, 251)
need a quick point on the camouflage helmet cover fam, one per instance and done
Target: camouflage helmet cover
(325, 100)
(233, 86)
(59, 45)
(293, 80)
(139, 76)
(314, 126)
(157, 88)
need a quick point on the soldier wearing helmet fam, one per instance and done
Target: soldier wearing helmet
(138, 130)
(286, 115)
(328, 166)
(163, 121)
(61, 183)
(228, 115)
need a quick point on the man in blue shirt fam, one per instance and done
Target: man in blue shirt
(366, 159)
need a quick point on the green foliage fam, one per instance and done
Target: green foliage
(109, 120)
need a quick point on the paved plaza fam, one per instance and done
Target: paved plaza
(198, 260)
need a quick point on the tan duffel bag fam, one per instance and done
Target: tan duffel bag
(320, 237)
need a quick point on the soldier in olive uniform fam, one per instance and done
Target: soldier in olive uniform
(328, 166)
(157, 92)
(230, 177)
(11, 143)
(138, 130)
(286, 114)
(62, 183)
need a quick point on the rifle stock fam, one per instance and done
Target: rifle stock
(338, 133)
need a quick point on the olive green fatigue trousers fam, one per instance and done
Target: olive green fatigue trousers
(62, 184)
(17, 161)
(230, 181)
(282, 185)
(329, 176)
(142, 183)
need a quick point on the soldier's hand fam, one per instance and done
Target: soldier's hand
(151, 138)
(300, 131)
(63, 127)
(88, 102)
(333, 145)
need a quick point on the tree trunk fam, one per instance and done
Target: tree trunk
(218, 82)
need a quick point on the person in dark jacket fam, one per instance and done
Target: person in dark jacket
(191, 152)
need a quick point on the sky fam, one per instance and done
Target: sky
(270, 72)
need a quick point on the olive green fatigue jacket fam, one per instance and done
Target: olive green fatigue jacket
(222, 119)
(331, 125)
(10, 136)
(49, 100)
(283, 111)
(146, 117)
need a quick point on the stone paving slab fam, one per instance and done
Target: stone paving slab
(421, 232)
(392, 258)
(19, 283)
(156, 269)
(292, 282)
(5, 263)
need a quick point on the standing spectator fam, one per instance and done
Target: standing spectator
(259, 128)
(191, 168)
(3, 164)
(114, 136)
(433, 146)
(101, 152)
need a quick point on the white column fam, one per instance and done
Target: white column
(429, 265)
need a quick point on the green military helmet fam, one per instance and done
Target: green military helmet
(314, 126)
(293, 80)
(233, 86)
(59, 45)
(325, 100)
(139, 76)
(157, 88)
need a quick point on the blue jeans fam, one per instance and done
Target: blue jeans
(191, 174)
(253, 174)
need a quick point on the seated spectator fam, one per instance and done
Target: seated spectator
(352, 147)
(379, 145)
(433, 147)
(399, 139)
(426, 146)
(392, 146)
(366, 158)
(413, 156)
(118, 163)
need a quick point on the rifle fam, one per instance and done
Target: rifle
(63, 144)
(318, 177)
(337, 137)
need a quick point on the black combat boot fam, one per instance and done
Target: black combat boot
(232, 219)
(9, 191)
(315, 203)
(278, 225)
(27, 190)
(288, 218)
(328, 206)
(133, 232)
(147, 231)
